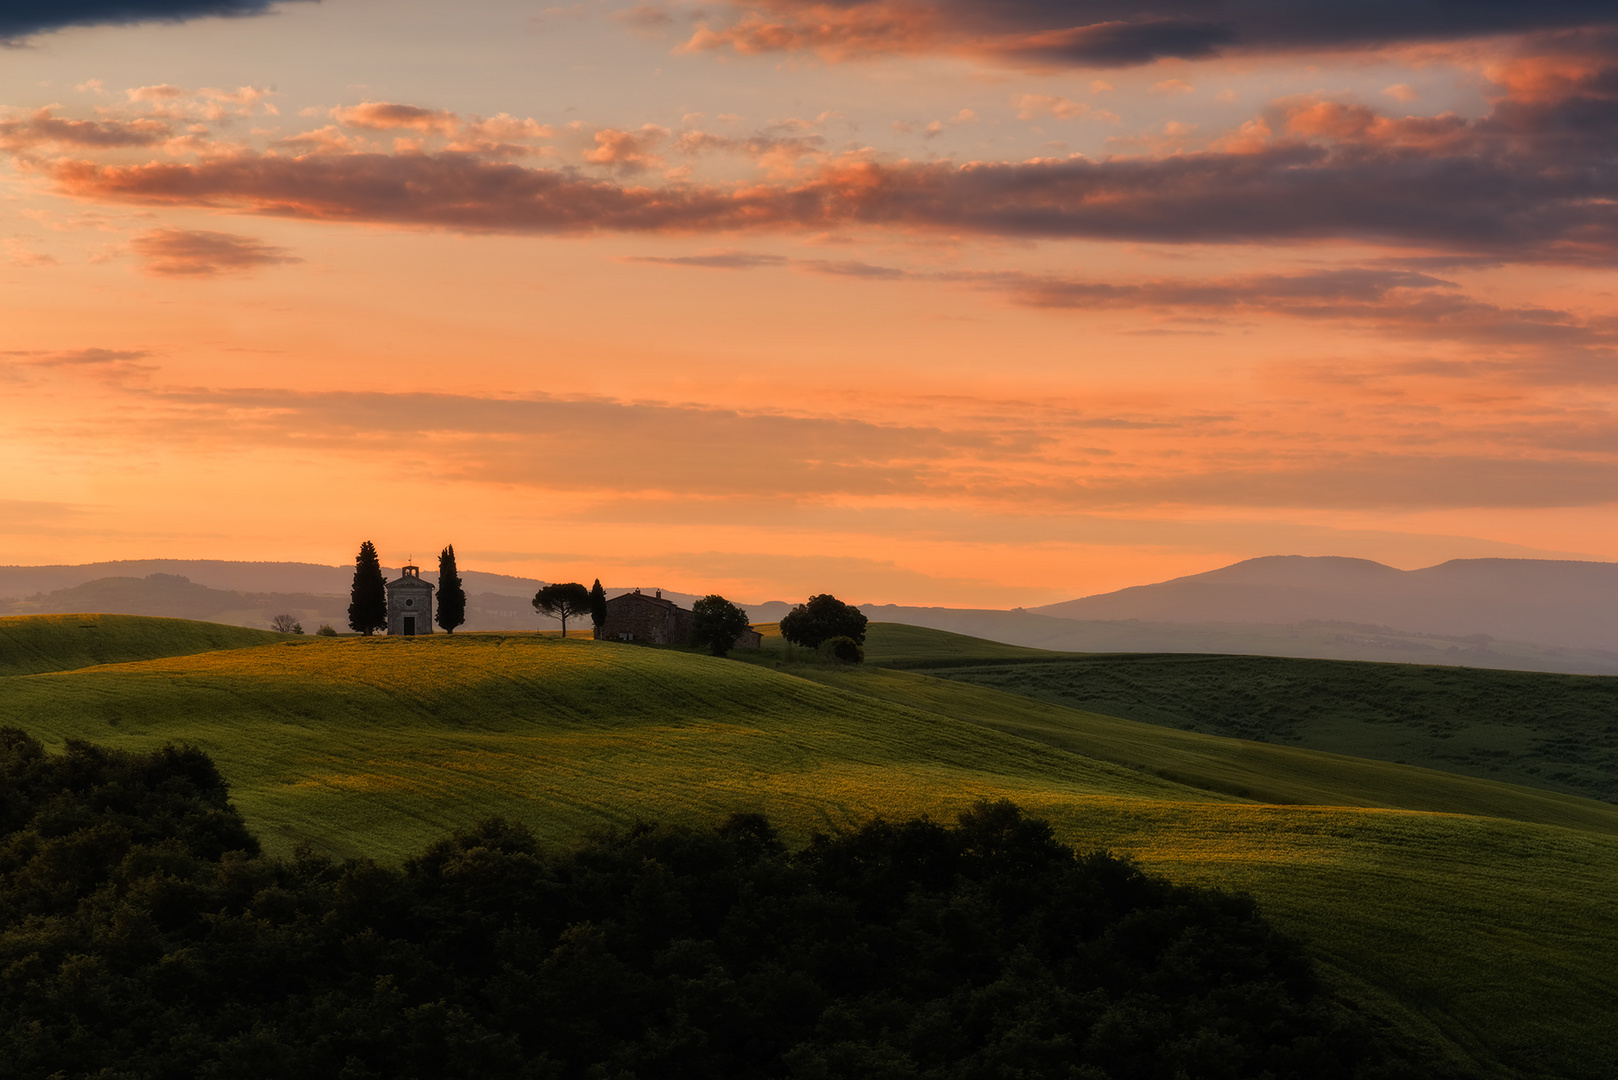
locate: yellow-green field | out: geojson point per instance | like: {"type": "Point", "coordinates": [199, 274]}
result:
{"type": "Point", "coordinates": [1487, 930]}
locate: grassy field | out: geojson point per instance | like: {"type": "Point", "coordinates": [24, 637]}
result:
{"type": "Point", "coordinates": [1550, 731]}
{"type": "Point", "coordinates": [1558, 732]}
{"type": "Point", "coordinates": [34, 643]}
{"type": "Point", "coordinates": [1486, 930]}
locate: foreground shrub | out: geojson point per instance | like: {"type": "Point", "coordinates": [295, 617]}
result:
{"type": "Point", "coordinates": [843, 649]}
{"type": "Point", "coordinates": [143, 936]}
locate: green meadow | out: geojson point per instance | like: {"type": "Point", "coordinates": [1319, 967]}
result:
{"type": "Point", "coordinates": [1552, 731]}
{"type": "Point", "coordinates": [1476, 916]}
{"type": "Point", "coordinates": [30, 644]}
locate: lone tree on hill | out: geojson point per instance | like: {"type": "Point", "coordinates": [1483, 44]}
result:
{"type": "Point", "coordinates": [823, 617]}
{"type": "Point", "coordinates": [716, 623]}
{"type": "Point", "coordinates": [563, 601]}
{"type": "Point", "coordinates": [368, 599]}
{"type": "Point", "coordinates": [451, 597]}
{"type": "Point", "coordinates": [286, 624]}
{"type": "Point", "coordinates": [598, 607]}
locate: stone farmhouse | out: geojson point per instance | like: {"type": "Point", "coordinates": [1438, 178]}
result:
{"type": "Point", "coordinates": [410, 604]}
{"type": "Point", "coordinates": [634, 616]}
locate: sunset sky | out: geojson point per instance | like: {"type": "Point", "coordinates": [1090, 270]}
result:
{"type": "Point", "coordinates": [974, 303]}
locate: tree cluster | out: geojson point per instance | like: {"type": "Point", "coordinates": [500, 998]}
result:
{"type": "Point", "coordinates": [142, 935]}
{"type": "Point", "coordinates": [717, 623]}
{"type": "Point", "coordinates": [821, 618]}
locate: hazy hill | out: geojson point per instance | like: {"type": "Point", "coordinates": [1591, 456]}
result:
{"type": "Point", "coordinates": [252, 593]}
{"type": "Point", "coordinates": [235, 576]}
{"type": "Point", "coordinates": [1567, 604]}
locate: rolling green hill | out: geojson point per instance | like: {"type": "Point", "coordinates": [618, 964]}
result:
{"type": "Point", "coordinates": [1485, 930]}
{"type": "Point", "coordinates": [1558, 732]}
{"type": "Point", "coordinates": [34, 643]}
{"type": "Point", "coordinates": [1538, 729]}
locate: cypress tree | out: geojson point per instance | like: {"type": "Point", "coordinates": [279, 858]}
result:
{"type": "Point", "coordinates": [451, 597]}
{"type": "Point", "coordinates": [368, 599]}
{"type": "Point", "coordinates": [598, 607]}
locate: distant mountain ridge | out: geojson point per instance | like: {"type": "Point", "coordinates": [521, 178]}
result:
{"type": "Point", "coordinates": [1527, 614]}
{"type": "Point", "coordinates": [236, 576]}
{"type": "Point", "coordinates": [1555, 603]}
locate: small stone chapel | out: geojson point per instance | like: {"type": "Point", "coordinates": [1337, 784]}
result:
{"type": "Point", "coordinates": [410, 604]}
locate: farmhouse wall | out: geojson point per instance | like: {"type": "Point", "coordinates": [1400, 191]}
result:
{"type": "Point", "coordinates": [637, 617]}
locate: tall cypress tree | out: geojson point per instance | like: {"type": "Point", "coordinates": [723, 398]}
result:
{"type": "Point", "coordinates": [368, 599]}
{"type": "Point", "coordinates": [451, 597]}
{"type": "Point", "coordinates": [598, 607]}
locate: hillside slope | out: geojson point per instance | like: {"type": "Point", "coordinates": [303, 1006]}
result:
{"type": "Point", "coordinates": [1551, 731]}
{"type": "Point", "coordinates": [40, 643]}
{"type": "Point", "coordinates": [1489, 938]}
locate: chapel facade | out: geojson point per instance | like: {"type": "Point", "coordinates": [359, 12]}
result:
{"type": "Point", "coordinates": [410, 604]}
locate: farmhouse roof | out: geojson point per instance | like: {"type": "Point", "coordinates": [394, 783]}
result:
{"type": "Point", "coordinates": [637, 595]}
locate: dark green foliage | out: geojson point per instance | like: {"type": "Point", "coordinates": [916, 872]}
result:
{"type": "Point", "coordinates": [368, 598]}
{"type": "Point", "coordinates": [716, 623]}
{"type": "Point", "coordinates": [843, 649]}
{"type": "Point", "coordinates": [598, 606]}
{"type": "Point", "coordinates": [143, 937]}
{"type": "Point", "coordinates": [451, 596]}
{"type": "Point", "coordinates": [822, 617]}
{"type": "Point", "coordinates": [326, 631]}
{"type": "Point", "coordinates": [564, 601]}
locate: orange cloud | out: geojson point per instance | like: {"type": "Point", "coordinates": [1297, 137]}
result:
{"type": "Point", "coordinates": [1288, 191]}
{"type": "Point", "coordinates": [1032, 106]}
{"type": "Point", "coordinates": [628, 151]}
{"type": "Point", "coordinates": [193, 253]}
{"type": "Point", "coordinates": [387, 116]}
{"type": "Point", "coordinates": [43, 128]}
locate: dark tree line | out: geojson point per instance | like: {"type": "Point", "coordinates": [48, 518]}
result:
{"type": "Point", "coordinates": [142, 935]}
